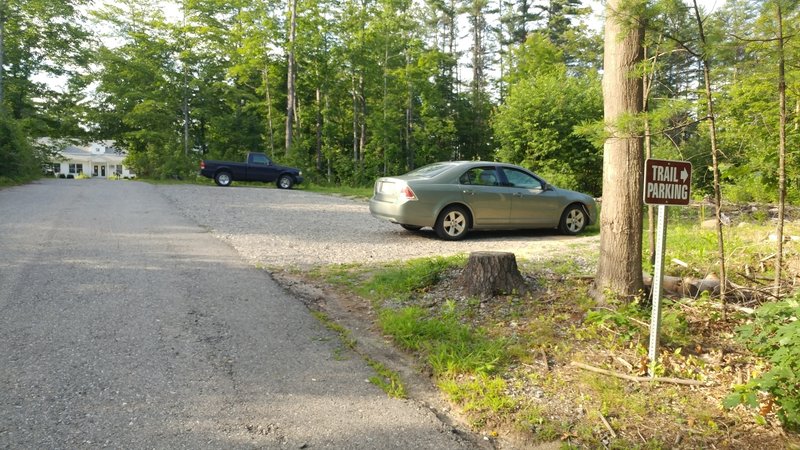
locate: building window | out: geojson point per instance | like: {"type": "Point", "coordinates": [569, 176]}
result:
{"type": "Point", "coordinates": [76, 168]}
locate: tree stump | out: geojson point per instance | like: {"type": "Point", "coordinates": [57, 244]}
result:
{"type": "Point", "coordinates": [489, 273]}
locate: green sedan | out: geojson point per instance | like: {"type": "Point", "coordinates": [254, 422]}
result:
{"type": "Point", "coordinates": [457, 196]}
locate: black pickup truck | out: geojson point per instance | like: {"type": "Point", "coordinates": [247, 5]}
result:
{"type": "Point", "coordinates": [258, 167]}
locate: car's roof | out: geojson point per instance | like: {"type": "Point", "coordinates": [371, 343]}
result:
{"type": "Point", "coordinates": [473, 163]}
{"type": "Point", "coordinates": [440, 169]}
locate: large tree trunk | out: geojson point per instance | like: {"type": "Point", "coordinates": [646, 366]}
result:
{"type": "Point", "coordinates": [620, 267]}
{"type": "Point", "coordinates": [291, 76]}
{"type": "Point", "coordinates": [489, 273]}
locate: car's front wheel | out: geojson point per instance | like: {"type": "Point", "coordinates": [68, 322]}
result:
{"type": "Point", "coordinates": [452, 224]}
{"type": "Point", "coordinates": [574, 220]}
{"type": "Point", "coordinates": [223, 178]}
{"type": "Point", "coordinates": [285, 182]}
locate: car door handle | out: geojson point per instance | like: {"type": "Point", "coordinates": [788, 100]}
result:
{"type": "Point", "coordinates": [518, 194]}
{"type": "Point", "coordinates": [468, 192]}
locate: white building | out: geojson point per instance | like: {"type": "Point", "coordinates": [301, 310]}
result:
{"type": "Point", "coordinates": [97, 159]}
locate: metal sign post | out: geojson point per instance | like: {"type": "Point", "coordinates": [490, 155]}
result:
{"type": "Point", "coordinates": [658, 278]}
{"type": "Point", "coordinates": [665, 183]}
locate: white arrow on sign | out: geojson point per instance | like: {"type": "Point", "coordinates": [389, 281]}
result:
{"type": "Point", "coordinates": [684, 175]}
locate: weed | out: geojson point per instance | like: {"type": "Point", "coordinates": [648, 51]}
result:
{"type": "Point", "coordinates": [386, 379]}
{"type": "Point", "coordinates": [623, 319]}
{"type": "Point", "coordinates": [345, 275]}
{"type": "Point", "coordinates": [344, 334]}
{"type": "Point", "coordinates": [674, 329]}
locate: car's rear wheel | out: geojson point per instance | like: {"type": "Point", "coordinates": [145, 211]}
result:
{"type": "Point", "coordinates": [452, 224]}
{"type": "Point", "coordinates": [410, 227]}
{"type": "Point", "coordinates": [574, 220]}
{"type": "Point", "coordinates": [285, 182]}
{"type": "Point", "coordinates": [223, 178]}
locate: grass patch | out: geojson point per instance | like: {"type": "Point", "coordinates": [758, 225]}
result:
{"type": "Point", "coordinates": [393, 281]}
{"type": "Point", "coordinates": [363, 193]}
{"type": "Point", "coordinates": [484, 397]}
{"type": "Point", "coordinates": [400, 281]}
{"type": "Point", "coordinates": [386, 379]}
{"type": "Point", "coordinates": [449, 346]}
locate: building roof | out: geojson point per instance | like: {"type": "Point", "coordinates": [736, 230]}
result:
{"type": "Point", "coordinates": [92, 152]}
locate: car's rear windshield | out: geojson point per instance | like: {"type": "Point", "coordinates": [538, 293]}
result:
{"type": "Point", "coordinates": [431, 170]}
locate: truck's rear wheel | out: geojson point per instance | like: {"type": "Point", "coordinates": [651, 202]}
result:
{"type": "Point", "coordinates": [223, 178]}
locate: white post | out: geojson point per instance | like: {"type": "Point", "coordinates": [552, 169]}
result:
{"type": "Point", "coordinates": [658, 277]}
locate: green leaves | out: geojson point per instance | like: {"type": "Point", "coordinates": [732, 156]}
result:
{"type": "Point", "coordinates": [775, 335]}
{"type": "Point", "coordinates": [537, 126]}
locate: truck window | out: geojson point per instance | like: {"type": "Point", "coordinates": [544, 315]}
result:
{"type": "Point", "coordinates": [259, 159]}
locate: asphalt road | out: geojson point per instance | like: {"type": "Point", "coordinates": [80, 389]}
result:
{"type": "Point", "coordinates": [124, 324]}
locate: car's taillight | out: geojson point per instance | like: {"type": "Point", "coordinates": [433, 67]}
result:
{"type": "Point", "coordinates": [407, 194]}
{"type": "Point", "coordinates": [202, 164]}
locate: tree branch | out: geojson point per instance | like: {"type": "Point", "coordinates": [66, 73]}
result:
{"type": "Point", "coordinates": [624, 376]}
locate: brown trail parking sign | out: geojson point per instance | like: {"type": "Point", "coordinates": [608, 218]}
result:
{"type": "Point", "coordinates": [667, 182]}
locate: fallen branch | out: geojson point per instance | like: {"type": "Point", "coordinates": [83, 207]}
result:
{"type": "Point", "coordinates": [625, 376]}
{"type": "Point", "coordinates": [680, 263]}
{"type": "Point", "coordinates": [741, 309]}
{"type": "Point", "coordinates": [689, 287]}
{"type": "Point", "coordinates": [627, 365]}
{"type": "Point", "coordinates": [608, 426]}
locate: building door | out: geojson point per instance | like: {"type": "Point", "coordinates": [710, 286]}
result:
{"type": "Point", "coordinates": [94, 172]}
{"type": "Point", "coordinates": [102, 171]}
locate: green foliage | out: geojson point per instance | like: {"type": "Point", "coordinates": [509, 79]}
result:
{"type": "Point", "coordinates": [483, 394]}
{"type": "Point", "coordinates": [17, 157]}
{"type": "Point", "coordinates": [404, 279]}
{"type": "Point", "coordinates": [537, 127]}
{"type": "Point", "coordinates": [41, 39]}
{"type": "Point", "coordinates": [775, 335]}
{"type": "Point", "coordinates": [621, 318]}
{"type": "Point", "coordinates": [450, 347]}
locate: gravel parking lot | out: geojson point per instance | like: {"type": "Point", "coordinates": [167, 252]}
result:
{"type": "Point", "coordinates": [296, 228]}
